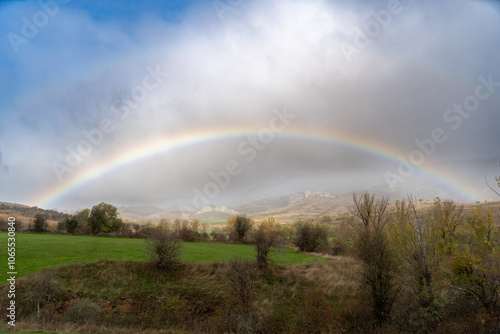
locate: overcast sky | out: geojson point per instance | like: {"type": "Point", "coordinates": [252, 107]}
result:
{"type": "Point", "coordinates": [412, 89]}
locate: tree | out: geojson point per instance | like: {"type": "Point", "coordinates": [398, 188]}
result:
{"type": "Point", "coordinates": [416, 242]}
{"type": "Point", "coordinates": [311, 238]}
{"type": "Point", "coordinates": [40, 224]}
{"type": "Point", "coordinates": [165, 249]}
{"type": "Point", "coordinates": [478, 279]}
{"type": "Point", "coordinates": [103, 218]}
{"type": "Point", "coordinates": [373, 249]}
{"type": "Point", "coordinates": [240, 226]}
{"type": "Point", "coordinates": [482, 223]}
{"type": "Point", "coordinates": [83, 218]}
{"type": "Point", "coordinates": [447, 217]}
{"type": "Point", "coordinates": [240, 275]}
{"type": "Point", "coordinates": [497, 179]}
{"type": "Point", "coordinates": [71, 224]}
{"type": "Point", "coordinates": [265, 238]}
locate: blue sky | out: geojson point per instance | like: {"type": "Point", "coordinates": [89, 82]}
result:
{"type": "Point", "coordinates": [363, 68]}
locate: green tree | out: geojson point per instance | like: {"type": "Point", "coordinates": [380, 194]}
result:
{"type": "Point", "coordinates": [416, 243]}
{"type": "Point", "coordinates": [83, 221]}
{"type": "Point", "coordinates": [482, 223]}
{"type": "Point", "coordinates": [239, 226]}
{"type": "Point", "coordinates": [40, 224]}
{"type": "Point", "coordinates": [478, 279]}
{"type": "Point", "coordinates": [71, 224]}
{"type": "Point", "coordinates": [266, 237]}
{"type": "Point", "coordinates": [103, 218]}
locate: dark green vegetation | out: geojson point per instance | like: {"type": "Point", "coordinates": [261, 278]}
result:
{"type": "Point", "coordinates": [195, 298]}
{"type": "Point", "coordinates": [35, 252]}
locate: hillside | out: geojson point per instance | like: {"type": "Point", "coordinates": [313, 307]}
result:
{"type": "Point", "coordinates": [25, 214]}
{"type": "Point", "coordinates": [41, 251]}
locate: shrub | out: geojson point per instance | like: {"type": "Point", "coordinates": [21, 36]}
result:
{"type": "Point", "coordinates": [187, 234]}
{"type": "Point", "coordinates": [40, 224]}
{"type": "Point", "coordinates": [311, 238]}
{"type": "Point", "coordinates": [165, 249]}
{"type": "Point", "coordinates": [240, 275]}
{"type": "Point", "coordinates": [218, 236]}
{"type": "Point", "coordinates": [83, 312]}
{"type": "Point", "coordinates": [476, 279]}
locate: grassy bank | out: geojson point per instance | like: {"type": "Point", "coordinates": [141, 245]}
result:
{"type": "Point", "coordinates": [35, 252]}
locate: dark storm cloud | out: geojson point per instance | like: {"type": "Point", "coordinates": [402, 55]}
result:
{"type": "Point", "coordinates": [392, 85]}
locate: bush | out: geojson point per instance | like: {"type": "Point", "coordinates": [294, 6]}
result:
{"type": "Point", "coordinates": [40, 224]}
{"type": "Point", "coordinates": [83, 312]}
{"type": "Point", "coordinates": [187, 234]}
{"type": "Point", "coordinates": [477, 280]}
{"type": "Point", "coordinates": [311, 238]}
{"type": "Point", "coordinates": [218, 236]}
{"type": "Point", "coordinates": [165, 249]}
{"type": "Point", "coordinates": [240, 275]}
{"type": "Point", "coordinates": [265, 238]}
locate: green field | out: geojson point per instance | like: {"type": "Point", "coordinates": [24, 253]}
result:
{"type": "Point", "coordinates": [37, 251]}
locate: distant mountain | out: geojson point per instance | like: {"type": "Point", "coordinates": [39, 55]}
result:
{"type": "Point", "coordinates": [137, 212]}
{"type": "Point", "coordinates": [297, 206]}
{"type": "Point", "coordinates": [286, 208]}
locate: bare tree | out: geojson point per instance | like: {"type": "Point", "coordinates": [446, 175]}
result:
{"type": "Point", "coordinates": [373, 249]}
{"type": "Point", "coordinates": [240, 275]}
{"type": "Point", "coordinates": [497, 178]}
{"type": "Point", "coordinates": [447, 217]}
{"type": "Point", "coordinates": [371, 214]}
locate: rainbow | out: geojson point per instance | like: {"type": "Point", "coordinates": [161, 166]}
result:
{"type": "Point", "coordinates": [356, 143]}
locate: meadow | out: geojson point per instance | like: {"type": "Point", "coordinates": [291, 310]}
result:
{"type": "Point", "coordinates": [35, 252]}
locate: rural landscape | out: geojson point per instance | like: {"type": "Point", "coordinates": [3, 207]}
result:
{"type": "Point", "coordinates": [377, 267]}
{"type": "Point", "coordinates": [248, 166]}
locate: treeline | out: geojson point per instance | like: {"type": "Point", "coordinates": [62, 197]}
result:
{"type": "Point", "coordinates": [427, 270]}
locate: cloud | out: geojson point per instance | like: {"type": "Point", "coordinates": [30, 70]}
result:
{"type": "Point", "coordinates": [80, 71]}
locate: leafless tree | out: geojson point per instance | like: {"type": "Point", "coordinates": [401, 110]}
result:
{"type": "Point", "coordinates": [373, 249]}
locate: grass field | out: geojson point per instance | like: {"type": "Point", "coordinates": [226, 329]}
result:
{"type": "Point", "coordinates": [37, 251]}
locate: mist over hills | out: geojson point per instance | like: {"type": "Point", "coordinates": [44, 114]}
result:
{"type": "Point", "coordinates": [285, 208]}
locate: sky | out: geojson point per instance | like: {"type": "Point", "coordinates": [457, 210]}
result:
{"type": "Point", "coordinates": [228, 101]}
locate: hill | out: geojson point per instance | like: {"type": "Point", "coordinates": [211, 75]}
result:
{"type": "Point", "coordinates": [25, 214]}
